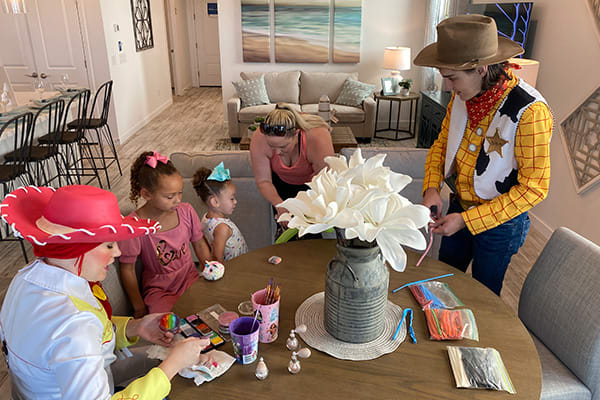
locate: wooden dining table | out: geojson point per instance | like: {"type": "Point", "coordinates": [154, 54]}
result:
{"type": "Point", "coordinates": [413, 371]}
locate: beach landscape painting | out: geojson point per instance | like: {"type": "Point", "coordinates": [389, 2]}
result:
{"type": "Point", "coordinates": [346, 31]}
{"type": "Point", "coordinates": [256, 31]}
{"type": "Point", "coordinates": [302, 31]}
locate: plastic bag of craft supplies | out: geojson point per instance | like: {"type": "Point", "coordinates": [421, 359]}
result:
{"type": "Point", "coordinates": [451, 324]}
{"type": "Point", "coordinates": [435, 294]}
{"type": "Point", "coordinates": [479, 368]}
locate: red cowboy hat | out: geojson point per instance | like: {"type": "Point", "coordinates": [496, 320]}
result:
{"type": "Point", "coordinates": [70, 214]}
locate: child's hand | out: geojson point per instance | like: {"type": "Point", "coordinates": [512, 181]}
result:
{"type": "Point", "coordinates": [139, 312]}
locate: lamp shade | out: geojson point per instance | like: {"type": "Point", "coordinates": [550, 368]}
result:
{"type": "Point", "coordinates": [13, 6]}
{"type": "Point", "coordinates": [529, 69]}
{"type": "Point", "coordinates": [396, 58]}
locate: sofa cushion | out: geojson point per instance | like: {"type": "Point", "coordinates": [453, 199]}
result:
{"type": "Point", "coordinates": [252, 92]}
{"type": "Point", "coordinates": [248, 114]}
{"type": "Point", "coordinates": [557, 381]}
{"type": "Point", "coordinates": [282, 87]}
{"type": "Point", "coordinates": [315, 84]}
{"type": "Point", "coordinates": [345, 114]}
{"type": "Point", "coordinates": [354, 92]}
{"type": "Point", "coordinates": [253, 214]}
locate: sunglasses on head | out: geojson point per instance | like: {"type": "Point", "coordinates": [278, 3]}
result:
{"type": "Point", "coordinates": [277, 130]}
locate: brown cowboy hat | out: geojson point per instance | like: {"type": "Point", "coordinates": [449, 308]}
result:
{"type": "Point", "coordinates": [465, 42]}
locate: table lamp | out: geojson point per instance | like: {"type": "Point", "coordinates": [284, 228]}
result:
{"type": "Point", "coordinates": [13, 6]}
{"type": "Point", "coordinates": [529, 69]}
{"type": "Point", "coordinates": [396, 59]}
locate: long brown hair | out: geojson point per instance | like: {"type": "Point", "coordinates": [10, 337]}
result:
{"type": "Point", "coordinates": [495, 72]}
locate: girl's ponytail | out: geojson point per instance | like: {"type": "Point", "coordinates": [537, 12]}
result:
{"type": "Point", "coordinates": [206, 188]}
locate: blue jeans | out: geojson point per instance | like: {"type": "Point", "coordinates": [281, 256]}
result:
{"type": "Point", "coordinates": [490, 251]}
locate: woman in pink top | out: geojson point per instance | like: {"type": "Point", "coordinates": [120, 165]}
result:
{"type": "Point", "coordinates": [168, 266]}
{"type": "Point", "coordinates": [287, 151]}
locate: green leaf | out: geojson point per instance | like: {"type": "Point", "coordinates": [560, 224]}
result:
{"type": "Point", "coordinates": [287, 235]}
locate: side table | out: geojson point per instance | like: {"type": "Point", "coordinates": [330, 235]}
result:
{"type": "Point", "coordinates": [413, 99]}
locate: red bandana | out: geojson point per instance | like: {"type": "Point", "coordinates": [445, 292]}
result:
{"type": "Point", "coordinates": [479, 106]}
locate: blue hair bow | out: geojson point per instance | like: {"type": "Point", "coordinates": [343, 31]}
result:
{"type": "Point", "coordinates": [219, 173]}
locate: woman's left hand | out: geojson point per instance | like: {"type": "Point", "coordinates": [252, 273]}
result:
{"type": "Point", "coordinates": [148, 328]}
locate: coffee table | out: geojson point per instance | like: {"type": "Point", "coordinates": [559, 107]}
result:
{"type": "Point", "coordinates": [342, 136]}
{"type": "Point", "coordinates": [413, 371]}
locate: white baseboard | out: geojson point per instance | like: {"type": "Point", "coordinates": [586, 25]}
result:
{"type": "Point", "coordinates": [540, 225]}
{"type": "Point", "coordinates": [129, 132]}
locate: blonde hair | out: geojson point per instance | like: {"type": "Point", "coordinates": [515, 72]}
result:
{"type": "Point", "coordinates": [286, 115]}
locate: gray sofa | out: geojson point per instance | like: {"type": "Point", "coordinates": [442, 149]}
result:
{"type": "Point", "coordinates": [253, 214]}
{"type": "Point", "coordinates": [302, 90]}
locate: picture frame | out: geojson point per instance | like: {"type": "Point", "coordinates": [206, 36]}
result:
{"type": "Point", "coordinates": [387, 86]}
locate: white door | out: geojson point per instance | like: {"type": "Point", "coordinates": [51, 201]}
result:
{"type": "Point", "coordinates": [207, 44]}
{"type": "Point", "coordinates": [47, 40]}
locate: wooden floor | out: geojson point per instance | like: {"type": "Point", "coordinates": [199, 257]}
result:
{"type": "Point", "coordinates": [194, 123]}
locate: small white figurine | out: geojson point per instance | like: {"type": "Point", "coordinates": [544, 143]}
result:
{"type": "Point", "coordinates": [292, 342]}
{"type": "Point", "coordinates": [261, 370]}
{"type": "Point", "coordinates": [213, 270]}
{"type": "Point", "coordinates": [294, 364]}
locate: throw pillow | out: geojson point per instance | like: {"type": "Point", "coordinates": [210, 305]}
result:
{"type": "Point", "coordinates": [354, 92]}
{"type": "Point", "coordinates": [252, 92]}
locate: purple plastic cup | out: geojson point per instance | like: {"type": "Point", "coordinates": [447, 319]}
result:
{"type": "Point", "coordinates": [244, 336]}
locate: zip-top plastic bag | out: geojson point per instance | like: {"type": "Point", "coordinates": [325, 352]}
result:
{"type": "Point", "coordinates": [479, 368]}
{"type": "Point", "coordinates": [435, 294]}
{"type": "Point", "coordinates": [451, 324]}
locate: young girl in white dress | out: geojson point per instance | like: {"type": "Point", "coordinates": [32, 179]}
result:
{"type": "Point", "coordinates": [217, 191]}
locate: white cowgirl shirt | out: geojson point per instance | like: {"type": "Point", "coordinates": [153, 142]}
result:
{"type": "Point", "coordinates": [60, 342]}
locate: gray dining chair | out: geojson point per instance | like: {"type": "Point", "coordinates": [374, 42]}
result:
{"type": "Point", "coordinates": [560, 305]}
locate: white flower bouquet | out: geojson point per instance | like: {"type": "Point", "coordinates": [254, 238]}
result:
{"type": "Point", "coordinates": [362, 198]}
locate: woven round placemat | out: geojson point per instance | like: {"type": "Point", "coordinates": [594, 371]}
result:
{"type": "Point", "coordinates": [310, 313]}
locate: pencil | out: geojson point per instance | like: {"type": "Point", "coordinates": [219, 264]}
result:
{"type": "Point", "coordinates": [275, 295]}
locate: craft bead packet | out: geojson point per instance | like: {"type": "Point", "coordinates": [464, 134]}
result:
{"type": "Point", "coordinates": [479, 368]}
{"type": "Point", "coordinates": [451, 324]}
{"type": "Point", "coordinates": [435, 294]}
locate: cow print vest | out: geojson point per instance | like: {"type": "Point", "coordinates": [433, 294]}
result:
{"type": "Point", "coordinates": [493, 175]}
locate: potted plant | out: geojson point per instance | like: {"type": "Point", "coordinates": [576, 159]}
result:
{"type": "Point", "coordinates": [405, 85]}
{"type": "Point", "coordinates": [252, 128]}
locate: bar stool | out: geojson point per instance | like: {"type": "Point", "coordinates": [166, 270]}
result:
{"type": "Point", "coordinates": [73, 143]}
{"type": "Point", "coordinates": [14, 170]}
{"type": "Point", "coordinates": [102, 129]}
{"type": "Point", "coordinates": [39, 155]}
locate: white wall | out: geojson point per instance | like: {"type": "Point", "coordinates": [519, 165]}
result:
{"type": "Point", "coordinates": [384, 23]}
{"type": "Point", "coordinates": [142, 86]}
{"type": "Point", "coordinates": [569, 58]}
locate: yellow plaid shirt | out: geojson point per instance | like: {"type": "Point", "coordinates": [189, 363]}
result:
{"type": "Point", "coordinates": [532, 152]}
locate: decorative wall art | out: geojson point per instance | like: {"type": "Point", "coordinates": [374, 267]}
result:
{"type": "Point", "coordinates": [594, 6]}
{"type": "Point", "coordinates": [142, 24]}
{"type": "Point", "coordinates": [302, 31]}
{"type": "Point", "coordinates": [256, 31]}
{"type": "Point", "coordinates": [581, 132]}
{"type": "Point", "coordinates": [513, 21]}
{"type": "Point", "coordinates": [346, 31]}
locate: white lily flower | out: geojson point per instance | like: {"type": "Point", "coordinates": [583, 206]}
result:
{"type": "Point", "coordinates": [360, 196]}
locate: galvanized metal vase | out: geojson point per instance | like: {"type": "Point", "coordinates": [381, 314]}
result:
{"type": "Point", "coordinates": [356, 288]}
